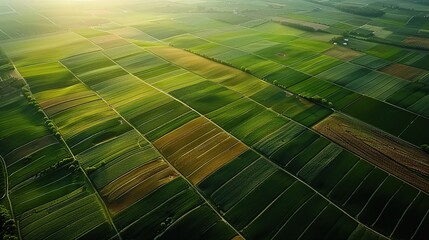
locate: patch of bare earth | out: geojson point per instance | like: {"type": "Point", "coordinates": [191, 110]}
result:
{"type": "Point", "coordinates": [342, 53]}
{"type": "Point", "coordinates": [387, 152]}
{"type": "Point", "coordinates": [403, 71]}
{"type": "Point", "coordinates": [417, 41]}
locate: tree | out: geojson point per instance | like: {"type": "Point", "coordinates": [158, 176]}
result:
{"type": "Point", "coordinates": [8, 228]}
{"type": "Point", "coordinates": [425, 147]}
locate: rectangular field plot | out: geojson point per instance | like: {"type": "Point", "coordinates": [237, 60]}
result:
{"type": "Point", "coordinates": [417, 132]}
{"type": "Point", "coordinates": [286, 77]}
{"type": "Point", "coordinates": [387, 52]}
{"type": "Point", "coordinates": [291, 106]}
{"type": "Point", "coordinates": [408, 163]}
{"type": "Point", "coordinates": [404, 71]}
{"type": "Point", "coordinates": [129, 188]}
{"type": "Point", "coordinates": [377, 114]}
{"type": "Point", "coordinates": [172, 206]}
{"type": "Point", "coordinates": [230, 77]}
{"type": "Point", "coordinates": [413, 96]}
{"type": "Point", "coordinates": [279, 29]}
{"type": "Point", "coordinates": [371, 62]}
{"type": "Point", "coordinates": [316, 65]}
{"type": "Point", "coordinates": [206, 96]}
{"type": "Point", "coordinates": [286, 54]}
{"type": "Point", "coordinates": [338, 96]}
{"type": "Point", "coordinates": [79, 216]}
{"type": "Point", "coordinates": [108, 41]}
{"type": "Point", "coordinates": [186, 41]}
{"type": "Point", "coordinates": [217, 120]}
{"type": "Point", "coordinates": [135, 152]}
{"type": "Point", "coordinates": [49, 48]}
{"type": "Point", "coordinates": [150, 111]}
{"type": "Point", "coordinates": [204, 149]}
{"type": "Point", "coordinates": [50, 199]}
{"type": "Point", "coordinates": [16, 25]}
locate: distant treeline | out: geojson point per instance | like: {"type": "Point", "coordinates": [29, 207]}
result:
{"type": "Point", "coordinates": [5, 64]}
{"type": "Point", "coordinates": [379, 40]}
{"type": "Point", "coordinates": [424, 2]}
{"type": "Point", "coordinates": [362, 11]}
{"type": "Point", "coordinates": [299, 26]}
{"type": "Point", "coordinates": [8, 229]}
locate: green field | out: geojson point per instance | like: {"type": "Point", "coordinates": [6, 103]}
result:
{"type": "Point", "coordinates": [288, 119]}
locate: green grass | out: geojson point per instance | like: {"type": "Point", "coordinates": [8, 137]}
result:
{"type": "Point", "coordinates": [411, 217]}
{"type": "Point", "coordinates": [377, 113]}
{"type": "Point", "coordinates": [221, 176]}
{"type": "Point", "coordinates": [150, 224]}
{"type": "Point", "coordinates": [271, 220]}
{"type": "Point", "coordinates": [346, 186]}
{"type": "Point", "coordinates": [256, 201]}
{"type": "Point", "coordinates": [335, 170]}
{"type": "Point", "coordinates": [209, 221]}
{"type": "Point", "coordinates": [286, 77]}
{"type": "Point", "coordinates": [20, 122]}
{"type": "Point", "coordinates": [229, 194]}
{"type": "Point", "coordinates": [279, 29]}
{"type": "Point", "coordinates": [417, 133]}
{"type": "Point", "coordinates": [47, 49]}
{"type": "Point", "coordinates": [363, 193]}
{"type": "Point", "coordinates": [206, 96]}
{"type": "Point", "coordinates": [371, 61]}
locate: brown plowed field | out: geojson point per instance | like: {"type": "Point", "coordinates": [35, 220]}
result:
{"type": "Point", "coordinates": [199, 148]}
{"type": "Point", "coordinates": [389, 153]}
{"type": "Point", "coordinates": [404, 71]}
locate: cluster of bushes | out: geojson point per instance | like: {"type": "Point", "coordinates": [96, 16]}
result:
{"type": "Point", "coordinates": [425, 147]}
{"type": "Point", "coordinates": [363, 11]}
{"type": "Point", "coordinates": [92, 169]}
{"type": "Point", "coordinates": [5, 63]}
{"type": "Point", "coordinates": [319, 100]}
{"type": "Point", "coordinates": [66, 161]}
{"type": "Point", "coordinates": [168, 221]}
{"type": "Point", "coordinates": [32, 101]}
{"type": "Point", "coordinates": [362, 33]}
{"type": "Point", "coordinates": [8, 230]}
{"type": "Point", "coordinates": [50, 124]}
{"type": "Point", "coordinates": [242, 68]}
{"type": "Point", "coordinates": [276, 83]}
{"type": "Point", "coordinates": [300, 26]}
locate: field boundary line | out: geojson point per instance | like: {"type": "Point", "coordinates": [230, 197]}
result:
{"type": "Point", "coordinates": [372, 195]}
{"type": "Point", "coordinates": [266, 159]}
{"type": "Point", "coordinates": [269, 205]}
{"type": "Point", "coordinates": [287, 91]}
{"type": "Point", "coordinates": [384, 208]}
{"type": "Point", "coordinates": [287, 118]}
{"type": "Point", "coordinates": [358, 186]}
{"type": "Point", "coordinates": [292, 215]}
{"type": "Point", "coordinates": [88, 180]}
{"type": "Point", "coordinates": [403, 214]}
{"type": "Point", "coordinates": [6, 195]}
{"type": "Point", "coordinates": [420, 224]}
{"type": "Point", "coordinates": [314, 219]}
{"type": "Point", "coordinates": [180, 174]}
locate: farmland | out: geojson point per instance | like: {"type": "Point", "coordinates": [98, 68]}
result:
{"type": "Point", "coordinates": [287, 119]}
